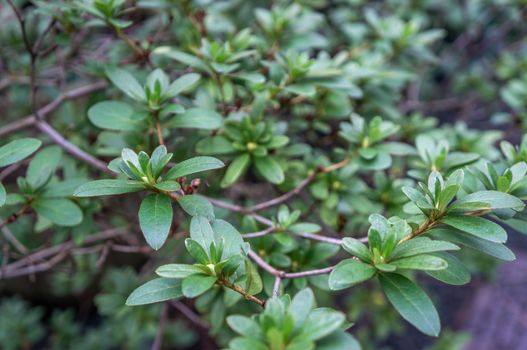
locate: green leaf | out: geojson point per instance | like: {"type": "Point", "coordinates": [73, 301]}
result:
{"type": "Point", "coordinates": [17, 150]}
{"type": "Point", "coordinates": [201, 231]}
{"type": "Point", "coordinates": [108, 187]}
{"type": "Point", "coordinates": [177, 270]}
{"type": "Point", "coordinates": [493, 199]}
{"type": "Point", "coordinates": [62, 212]}
{"type": "Point", "coordinates": [154, 291]}
{"type": "Point", "coordinates": [244, 325]}
{"type": "Point", "coordinates": [496, 250]}
{"type": "Point", "coordinates": [253, 282]}
{"type": "Point", "coordinates": [3, 195]}
{"type": "Point", "coordinates": [356, 248]}
{"type": "Point", "coordinates": [455, 273]}
{"type": "Point", "coordinates": [350, 272]}
{"type": "Point", "coordinates": [420, 262]}
{"type": "Point", "coordinates": [182, 84]}
{"type": "Point", "coordinates": [321, 322]}
{"type": "Point", "coordinates": [236, 169]}
{"type": "Point", "coordinates": [301, 306]}
{"type": "Point", "coordinates": [114, 115]}
{"type": "Point", "coordinates": [479, 227]}
{"type": "Point", "coordinates": [194, 165]}
{"type": "Point", "coordinates": [43, 166]}
{"type": "Point", "coordinates": [246, 343]}
{"type": "Point", "coordinates": [155, 219]}
{"type": "Point", "coordinates": [126, 83]}
{"type": "Point", "coordinates": [234, 243]}
{"type": "Point", "coordinates": [269, 169]}
{"type": "Point", "coordinates": [196, 285]}
{"type": "Point", "coordinates": [196, 251]}
{"type": "Point", "coordinates": [197, 118]}
{"type": "Point", "coordinates": [411, 302]}
{"type": "Point", "coordinates": [215, 145]}
{"type": "Point", "coordinates": [169, 186]}
{"type": "Point", "coordinates": [420, 245]}
{"type": "Point", "coordinates": [195, 205]}
{"type": "Point", "coordinates": [338, 341]}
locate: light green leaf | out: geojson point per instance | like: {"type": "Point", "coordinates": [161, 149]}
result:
{"type": "Point", "coordinates": [234, 243]}
{"type": "Point", "coordinates": [244, 325]}
{"type": "Point", "coordinates": [17, 150]}
{"type": "Point", "coordinates": [253, 281]}
{"type": "Point", "coordinates": [349, 272]}
{"type": "Point", "coordinates": [108, 187]}
{"type": "Point", "coordinates": [182, 84]}
{"type": "Point", "coordinates": [246, 343]}
{"type": "Point", "coordinates": [411, 302]}
{"type": "Point", "coordinates": [3, 195]}
{"type": "Point", "coordinates": [195, 205]}
{"type": "Point", "coordinates": [154, 291]}
{"type": "Point", "coordinates": [420, 245]}
{"type": "Point", "coordinates": [321, 322]}
{"type": "Point", "coordinates": [339, 341]}
{"type": "Point", "coordinates": [269, 168]}
{"type": "Point", "coordinates": [356, 248]}
{"type": "Point", "coordinates": [197, 118]}
{"type": "Point", "coordinates": [479, 227]}
{"type": "Point", "coordinates": [62, 212]}
{"type": "Point", "coordinates": [126, 83]}
{"type": "Point", "coordinates": [194, 165]}
{"type": "Point", "coordinates": [236, 169]}
{"type": "Point", "coordinates": [301, 306]}
{"type": "Point", "coordinates": [114, 115]}
{"type": "Point", "coordinates": [196, 251]}
{"type": "Point", "coordinates": [201, 231]}
{"type": "Point", "coordinates": [177, 270]}
{"type": "Point", "coordinates": [196, 285]}
{"type": "Point", "coordinates": [420, 262]}
{"type": "Point", "coordinates": [43, 166]}
{"type": "Point", "coordinates": [215, 145]}
{"type": "Point", "coordinates": [155, 219]}
{"type": "Point", "coordinates": [493, 199]}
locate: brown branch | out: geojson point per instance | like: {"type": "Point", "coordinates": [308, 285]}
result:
{"type": "Point", "coordinates": [225, 282]}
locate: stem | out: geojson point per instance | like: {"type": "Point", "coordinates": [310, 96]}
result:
{"type": "Point", "coordinates": [159, 133]}
{"type": "Point", "coordinates": [225, 282]}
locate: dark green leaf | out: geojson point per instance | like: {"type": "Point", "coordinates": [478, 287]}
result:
{"type": "Point", "coordinates": [479, 227]}
{"type": "Point", "coordinates": [43, 166]}
{"type": "Point", "coordinates": [455, 273]}
{"type": "Point", "coordinates": [321, 322]}
{"type": "Point", "coordinates": [155, 219]}
{"type": "Point", "coordinates": [420, 245]}
{"type": "Point", "coordinates": [126, 83]}
{"type": "Point", "coordinates": [236, 169]}
{"type": "Point", "coordinates": [411, 302]}
{"type": "Point", "coordinates": [269, 169]}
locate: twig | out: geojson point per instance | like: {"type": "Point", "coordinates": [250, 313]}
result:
{"type": "Point", "coordinates": [265, 232]}
{"type": "Point", "coordinates": [308, 273]}
{"type": "Point", "coordinates": [52, 106]}
{"type": "Point", "coordinates": [189, 314]}
{"type": "Point", "coordinates": [276, 287]}
{"type": "Point", "coordinates": [158, 340]}
{"type": "Point", "coordinates": [70, 147]}
{"type": "Point", "coordinates": [225, 282]}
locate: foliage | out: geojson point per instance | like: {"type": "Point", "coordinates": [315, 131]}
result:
{"type": "Point", "coordinates": [254, 174]}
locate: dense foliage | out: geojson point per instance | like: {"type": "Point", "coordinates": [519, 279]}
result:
{"type": "Point", "coordinates": [253, 174]}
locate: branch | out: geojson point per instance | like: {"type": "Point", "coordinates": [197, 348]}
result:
{"type": "Point", "coordinates": [70, 147]}
{"type": "Point", "coordinates": [52, 106]}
